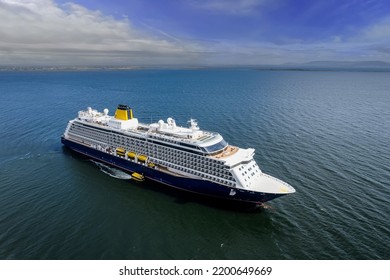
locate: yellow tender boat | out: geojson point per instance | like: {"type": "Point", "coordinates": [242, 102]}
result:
{"type": "Point", "coordinates": [138, 177]}
{"type": "Point", "coordinates": [142, 158]}
{"type": "Point", "coordinates": [131, 155]}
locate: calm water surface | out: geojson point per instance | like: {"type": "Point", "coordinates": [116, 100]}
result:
{"type": "Point", "coordinates": [325, 133]}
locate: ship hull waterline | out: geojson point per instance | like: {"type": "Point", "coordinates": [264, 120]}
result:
{"type": "Point", "coordinates": [198, 186]}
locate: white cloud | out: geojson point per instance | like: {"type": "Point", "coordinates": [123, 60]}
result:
{"type": "Point", "coordinates": [267, 53]}
{"type": "Point", "coordinates": [370, 43]}
{"type": "Point", "coordinates": [367, 44]}
{"type": "Point", "coordinates": [42, 32]}
{"type": "Point", "coordinates": [380, 31]}
{"type": "Point", "coordinates": [231, 7]}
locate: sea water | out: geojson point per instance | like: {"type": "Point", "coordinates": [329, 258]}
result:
{"type": "Point", "coordinates": [326, 133]}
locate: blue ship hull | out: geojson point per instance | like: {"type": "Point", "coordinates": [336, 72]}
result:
{"type": "Point", "coordinates": [198, 186]}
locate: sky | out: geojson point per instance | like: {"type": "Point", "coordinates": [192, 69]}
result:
{"type": "Point", "coordinates": [192, 32]}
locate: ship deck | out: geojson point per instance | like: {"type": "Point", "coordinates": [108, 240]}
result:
{"type": "Point", "coordinates": [230, 150]}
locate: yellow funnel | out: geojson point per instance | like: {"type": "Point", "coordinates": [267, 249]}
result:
{"type": "Point", "coordinates": [123, 112]}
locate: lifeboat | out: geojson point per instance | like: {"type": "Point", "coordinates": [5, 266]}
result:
{"type": "Point", "coordinates": [137, 177]}
{"type": "Point", "coordinates": [142, 158]}
{"type": "Point", "coordinates": [131, 155]}
{"type": "Point", "coordinates": [120, 152]}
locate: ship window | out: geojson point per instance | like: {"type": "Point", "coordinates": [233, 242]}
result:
{"type": "Point", "coordinates": [216, 147]}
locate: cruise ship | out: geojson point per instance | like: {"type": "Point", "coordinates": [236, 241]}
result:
{"type": "Point", "coordinates": [185, 158]}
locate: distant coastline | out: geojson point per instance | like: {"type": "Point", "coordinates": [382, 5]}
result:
{"type": "Point", "coordinates": [370, 66]}
{"type": "Point", "coordinates": [65, 68]}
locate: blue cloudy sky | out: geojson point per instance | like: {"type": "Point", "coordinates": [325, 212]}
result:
{"type": "Point", "coordinates": [192, 32]}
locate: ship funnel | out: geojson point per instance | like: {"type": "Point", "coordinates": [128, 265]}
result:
{"type": "Point", "coordinates": [123, 112]}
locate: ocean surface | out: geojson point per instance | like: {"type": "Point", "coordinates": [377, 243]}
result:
{"type": "Point", "coordinates": [325, 133]}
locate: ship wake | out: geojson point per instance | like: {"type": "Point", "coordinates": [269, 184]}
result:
{"type": "Point", "coordinates": [111, 171]}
